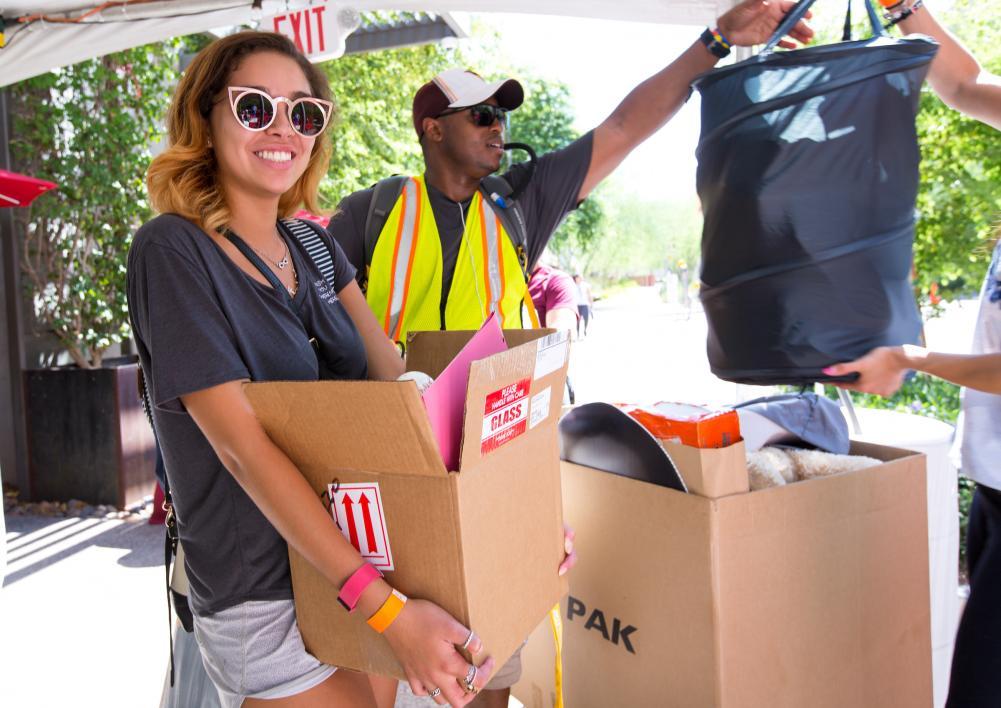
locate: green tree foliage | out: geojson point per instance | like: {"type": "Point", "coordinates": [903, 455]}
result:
{"type": "Point", "coordinates": [959, 202]}
{"type": "Point", "coordinates": [645, 236]}
{"type": "Point", "coordinates": [373, 135]}
{"type": "Point", "coordinates": [545, 121]}
{"type": "Point", "coordinates": [89, 128]}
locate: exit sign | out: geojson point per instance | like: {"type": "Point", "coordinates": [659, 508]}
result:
{"type": "Point", "coordinates": [317, 29]}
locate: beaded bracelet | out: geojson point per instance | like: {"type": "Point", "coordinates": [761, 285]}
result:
{"type": "Point", "coordinates": [715, 42]}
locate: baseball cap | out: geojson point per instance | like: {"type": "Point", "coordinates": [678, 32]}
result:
{"type": "Point", "coordinates": [459, 88]}
{"type": "Point", "coordinates": [809, 418]}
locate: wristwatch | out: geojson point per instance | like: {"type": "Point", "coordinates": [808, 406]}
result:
{"type": "Point", "coordinates": [715, 42]}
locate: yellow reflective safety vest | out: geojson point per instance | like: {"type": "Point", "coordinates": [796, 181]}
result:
{"type": "Point", "coordinates": [405, 273]}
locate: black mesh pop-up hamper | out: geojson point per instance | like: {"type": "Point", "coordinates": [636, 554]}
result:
{"type": "Point", "coordinates": [808, 173]}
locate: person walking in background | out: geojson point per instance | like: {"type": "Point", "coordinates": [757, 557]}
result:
{"type": "Point", "coordinates": [585, 303]}
{"type": "Point", "coordinates": [554, 295]}
{"type": "Point", "coordinates": [963, 84]}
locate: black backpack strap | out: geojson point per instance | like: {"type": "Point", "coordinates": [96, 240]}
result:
{"type": "Point", "coordinates": [170, 524]}
{"type": "Point", "coordinates": [502, 197]}
{"type": "Point", "coordinates": [315, 242]}
{"type": "Point", "coordinates": [497, 193]}
{"type": "Point", "coordinates": [384, 195]}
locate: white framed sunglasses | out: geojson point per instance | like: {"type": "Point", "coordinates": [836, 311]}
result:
{"type": "Point", "coordinates": [255, 110]}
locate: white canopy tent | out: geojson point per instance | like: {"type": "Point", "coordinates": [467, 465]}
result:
{"type": "Point", "coordinates": [39, 37]}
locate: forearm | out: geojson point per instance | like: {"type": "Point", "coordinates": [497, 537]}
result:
{"type": "Point", "coordinates": [955, 74]}
{"type": "Point", "coordinates": [652, 103]}
{"type": "Point", "coordinates": [273, 482]}
{"type": "Point", "coordinates": [646, 109]}
{"type": "Point", "coordinates": [285, 497]}
{"type": "Point", "coordinates": [562, 318]}
{"type": "Point", "coordinates": [384, 360]}
{"type": "Point", "coordinates": [979, 371]}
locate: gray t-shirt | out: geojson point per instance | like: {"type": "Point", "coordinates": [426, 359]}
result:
{"type": "Point", "coordinates": [547, 199]}
{"type": "Point", "coordinates": [199, 320]}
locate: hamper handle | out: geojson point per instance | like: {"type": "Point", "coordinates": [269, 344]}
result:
{"type": "Point", "coordinates": [798, 12]}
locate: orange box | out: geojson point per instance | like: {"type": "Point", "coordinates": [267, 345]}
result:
{"type": "Point", "coordinates": [690, 425]}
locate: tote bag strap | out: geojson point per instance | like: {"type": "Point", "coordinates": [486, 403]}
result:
{"type": "Point", "coordinates": [799, 11]}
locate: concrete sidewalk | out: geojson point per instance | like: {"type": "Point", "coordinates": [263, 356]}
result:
{"type": "Point", "coordinates": [83, 614]}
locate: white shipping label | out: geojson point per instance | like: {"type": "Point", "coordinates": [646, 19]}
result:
{"type": "Point", "coordinates": [540, 406]}
{"type": "Point", "coordinates": [358, 512]}
{"type": "Point", "coordinates": [552, 353]}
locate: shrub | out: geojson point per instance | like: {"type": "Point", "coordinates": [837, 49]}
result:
{"type": "Point", "coordinates": [90, 128]}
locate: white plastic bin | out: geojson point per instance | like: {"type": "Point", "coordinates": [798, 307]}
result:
{"type": "Point", "coordinates": [934, 438]}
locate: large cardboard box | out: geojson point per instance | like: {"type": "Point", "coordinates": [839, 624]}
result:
{"type": "Point", "coordinates": [812, 595]}
{"type": "Point", "coordinates": [483, 541]}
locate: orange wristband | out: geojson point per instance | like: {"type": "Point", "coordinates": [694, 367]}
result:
{"type": "Point", "coordinates": [388, 613]}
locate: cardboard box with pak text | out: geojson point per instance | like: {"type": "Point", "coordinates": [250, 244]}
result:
{"type": "Point", "coordinates": [814, 594]}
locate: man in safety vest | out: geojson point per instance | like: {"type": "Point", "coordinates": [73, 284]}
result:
{"type": "Point", "coordinates": [445, 249]}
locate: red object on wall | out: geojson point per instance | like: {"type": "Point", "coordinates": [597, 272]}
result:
{"type": "Point", "coordinates": [17, 190]}
{"type": "Point", "coordinates": [159, 514]}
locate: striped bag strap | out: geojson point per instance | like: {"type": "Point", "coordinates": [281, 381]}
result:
{"type": "Point", "coordinates": [316, 246]}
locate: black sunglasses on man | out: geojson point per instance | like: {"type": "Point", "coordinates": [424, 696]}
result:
{"type": "Point", "coordinates": [484, 114]}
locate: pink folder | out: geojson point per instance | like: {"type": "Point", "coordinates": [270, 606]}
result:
{"type": "Point", "coordinates": [445, 399]}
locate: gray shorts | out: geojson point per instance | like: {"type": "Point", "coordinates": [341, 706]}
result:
{"type": "Point", "coordinates": [509, 674]}
{"type": "Point", "coordinates": [254, 650]}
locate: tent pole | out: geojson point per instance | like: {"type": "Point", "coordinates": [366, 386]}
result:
{"type": "Point", "coordinates": [13, 434]}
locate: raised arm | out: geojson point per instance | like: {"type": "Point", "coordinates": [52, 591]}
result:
{"type": "Point", "coordinates": [955, 74]}
{"type": "Point", "coordinates": [651, 104]}
{"type": "Point", "coordinates": [424, 636]}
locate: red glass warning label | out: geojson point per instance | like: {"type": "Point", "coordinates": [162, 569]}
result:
{"type": "Point", "coordinates": [505, 416]}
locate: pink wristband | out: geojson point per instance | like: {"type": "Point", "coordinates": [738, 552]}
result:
{"type": "Point", "coordinates": [355, 585]}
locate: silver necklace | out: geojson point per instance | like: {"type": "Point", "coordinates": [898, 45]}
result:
{"type": "Point", "coordinates": [283, 263]}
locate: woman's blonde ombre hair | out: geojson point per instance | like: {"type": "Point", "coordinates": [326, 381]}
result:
{"type": "Point", "coordinates": [182, 179]}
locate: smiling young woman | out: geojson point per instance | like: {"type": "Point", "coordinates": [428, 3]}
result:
{"type": "Point", "coordinates": [182, 179]}
{"type": "Point", "coordinates": [220, 293]}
